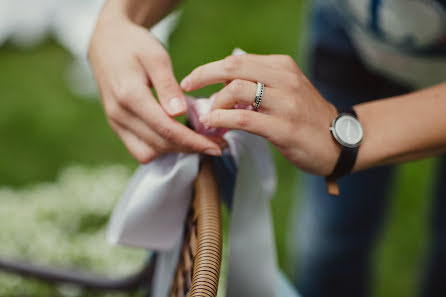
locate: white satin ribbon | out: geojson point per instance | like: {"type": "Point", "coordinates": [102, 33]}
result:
{"type": "Point", "coordinates": [152, 210]}
{"type": "Point", "coordinates": [252, 253]}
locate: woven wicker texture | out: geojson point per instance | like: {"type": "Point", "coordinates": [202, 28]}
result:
{"type": "Point", "coordinates": [198, 268]}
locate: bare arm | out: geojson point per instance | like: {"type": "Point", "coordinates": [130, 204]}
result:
{"type": "Point", "coordinates": [403, 128]}
{"type": "Point", "coordinates": [296, 118]}
{"type": "Point", "coordinates": [142, 12]}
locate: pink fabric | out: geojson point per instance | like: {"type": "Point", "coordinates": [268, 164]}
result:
{"type": "Point", "coordinates": [200, 106]}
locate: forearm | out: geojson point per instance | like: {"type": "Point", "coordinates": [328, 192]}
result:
{"type": "Point", "coordinates": [403, 128]}
{"type": "Point", "coordinates": [143, 12]}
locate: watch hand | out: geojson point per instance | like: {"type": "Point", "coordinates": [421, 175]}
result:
{"type": "Point", "coordinates": [348, 129]}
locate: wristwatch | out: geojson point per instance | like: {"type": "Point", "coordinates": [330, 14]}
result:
{"type": "Point", "coordinates": [348, 132]}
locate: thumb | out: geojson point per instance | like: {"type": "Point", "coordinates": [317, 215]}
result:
{"type": "Point", "coordinates": [171, 97]}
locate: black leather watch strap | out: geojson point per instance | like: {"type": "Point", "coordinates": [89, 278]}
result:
{"type": "Point", "coordinates": [348, 155]}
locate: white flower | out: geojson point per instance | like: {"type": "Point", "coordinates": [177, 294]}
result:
{"type": "Point", "coordinates": [63, 224]}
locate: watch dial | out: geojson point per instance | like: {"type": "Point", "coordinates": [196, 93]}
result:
{"type": "Point", "coordinates": [349, 130]}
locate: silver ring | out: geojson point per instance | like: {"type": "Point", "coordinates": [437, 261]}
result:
{"type": "Point", "coordinates": [259, 96]}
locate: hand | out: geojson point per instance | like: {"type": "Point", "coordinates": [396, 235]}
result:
{"type": "Point", "coordinates": [292, 115]}
{"type": "Point", "coordinates": [127, 60]}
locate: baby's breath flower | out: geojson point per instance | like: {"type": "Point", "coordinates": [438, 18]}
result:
{"type": "Point", "coordinates": [63, 224]}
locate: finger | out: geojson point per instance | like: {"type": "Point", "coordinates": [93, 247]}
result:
{"type": "Point", "coordinates": [244, 92]}
{"type": "Point", "coordinates": [239, 119]}
{"type": "Point", "coordinates": [246, 67]}
{"type": "Point", "coordinates": [159, 69]}
{"type": "Point", "coordinates": [168, 128]}
{"type": "Point", "coordinates": [139, 150]}
{"type": "Point", "coordinates": [220, 141]}
{"type": "Point", "coordinates": [136, 126]}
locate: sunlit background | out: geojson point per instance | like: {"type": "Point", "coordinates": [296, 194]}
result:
{"type": "Point", "coordinates": [62, 169]}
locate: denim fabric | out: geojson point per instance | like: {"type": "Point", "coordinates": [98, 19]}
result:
{"type": "Point", "coordinates": [226, 172]}
{"type": "Point", "coordinates": [336, 235]}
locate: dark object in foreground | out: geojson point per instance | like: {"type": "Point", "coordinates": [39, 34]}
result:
{"type": "Point", "coordinates": [85, 280]}
{"type": "Point", "coordinates": [198, 268]}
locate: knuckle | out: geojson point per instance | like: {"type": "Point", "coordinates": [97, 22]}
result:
{"type": "Point", "coordinates": [187, 143]}
{"type": "Point", "coordinates": [164, 146]}
{"type": "Point", "coordinates": [294, 105]}
{"type": "Point", "coordinates": [286, 59]}
{"type": "Point", "coordinates": [243, 119]}
{"type": "Point", "coordinates": [181, 144]}
{"type": "Point", "coordinates": [216, 118]}
{"type": "Point", "coordinates": [236, 87]}
{"type": "Point", "coordinates": [168, 84]}
{"type": "Point", "coordinates": [188, 146]}
{"type": "Point", "coordinates": [145, 156]}
{"type": "Point", "coordinates": [231, 63]}
{"type": "Point", "coordinates": [161, 62]}
{"type": "Point", "coordinates": [292, 81]}
{"type": "Point", "coordinates": [113, 111]}
{"type": "Point", "coordinates": [122, 94]}
{"type": "Point", "coordinates": [156, 57]}
{"type": "Point", "coordinates": [159, 58]}
{"type": "Point", "coordinates": [165, 131]}
{"type": "Point", "coordinates": [287, 129]}
{"type": "Point", "coordinates": [197, 73]}
{"type": "Point", "coordinates": [289, 63]}
{"type": "Point", "coordinates": [295, 69]}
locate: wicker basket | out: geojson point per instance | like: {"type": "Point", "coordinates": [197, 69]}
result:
{"type": "Point", "coordinates": [198, 269]}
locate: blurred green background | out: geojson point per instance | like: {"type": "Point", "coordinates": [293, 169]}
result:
{"type": "Point", "coordinates": [44, 128]}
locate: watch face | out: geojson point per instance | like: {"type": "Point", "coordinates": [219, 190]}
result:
{"type": "Point", "coordinates": [348, 131]}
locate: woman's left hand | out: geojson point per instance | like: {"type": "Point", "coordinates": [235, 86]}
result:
{"type": "Point", "coordinates": [292, 115]}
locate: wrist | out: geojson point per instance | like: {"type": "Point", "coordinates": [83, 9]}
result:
{"type": "Point", "coordinates": [142, 13]}
{"type": "Point", "coordinates": [333, 146]}
{"type": "Point", "coordinates": [107, 19]}
{"type": "Point", "coordinates": [347, 130]}
{"type": "Point", "coordinates": [377, 126]}
{"type": "Point", "coordinates": [112, 11]}
{"type": "Point", "coordinates": [115, 11]}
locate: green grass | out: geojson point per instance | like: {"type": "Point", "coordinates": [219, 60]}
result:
{"type": "Point", "coordinates": [44, 128]}
{"type": "Point", "coordinates": [402, 252]}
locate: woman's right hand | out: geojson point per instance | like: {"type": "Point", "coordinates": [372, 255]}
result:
{"type": "Point", "coordinates": [127, 60]}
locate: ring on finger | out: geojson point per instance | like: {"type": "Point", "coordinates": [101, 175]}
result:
{"type": "Point", "coordinates": [259, 96]}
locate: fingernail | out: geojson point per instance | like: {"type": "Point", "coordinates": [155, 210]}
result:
{"type": "Point", "coordinates": [185, 83]}
{"type": "Point", "coordinates": [176, 106]}
{"type": "Point", "coordinates": [205, 119]}
{"type": "Point", "coordinates": [213, 152]}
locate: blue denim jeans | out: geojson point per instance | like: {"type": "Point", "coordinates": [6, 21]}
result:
{"type": "Point", "coordinates": [336, 235]}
